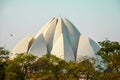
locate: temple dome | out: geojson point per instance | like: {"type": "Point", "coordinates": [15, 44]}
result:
{"type": "Point", "coordinates": [60, 38]}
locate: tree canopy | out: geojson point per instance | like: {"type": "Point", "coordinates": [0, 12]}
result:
{"type": "Point", "coordinates": [49, 67]}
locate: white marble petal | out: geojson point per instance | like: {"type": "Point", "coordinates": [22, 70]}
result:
{"type": "Point", "coordinates": [84, 48]}
{"type": "Point", "coordinates": [60, 38]}
{"type": "Point", "coordinates": [62, 49]}
{"type": "Point", "coordinates": [38, 47]}
{"type": "Point", "coordinates": [73, 35]}
{"type": "Point", "coordinates": [22, 46]}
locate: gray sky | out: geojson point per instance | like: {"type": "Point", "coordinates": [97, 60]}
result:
{"type": "Point", "coordinates": [97, 19]}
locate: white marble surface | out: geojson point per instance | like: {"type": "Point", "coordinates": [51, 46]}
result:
{"type": "Point", "coordinates": [60, 38]}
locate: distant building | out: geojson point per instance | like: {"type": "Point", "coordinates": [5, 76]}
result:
{"type": "Point", "coordinates": [58, 37]}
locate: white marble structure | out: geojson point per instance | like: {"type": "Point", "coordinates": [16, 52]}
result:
{"type": "Point", "coordinates": [60, 38]}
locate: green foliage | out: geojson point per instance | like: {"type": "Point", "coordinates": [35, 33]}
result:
{"type": "Point", "coordinates": [3, 53]}
{"type": "Point", "coordinates": [20, 66]}
{"type": "Point", "coordinates": [11, 76]}
{"type": "Point", "coordinates": [3, 58]}
{"type": "Point", "coordinates": [110, 53]}
{"type": "Point", "coordinates": [29, 67]}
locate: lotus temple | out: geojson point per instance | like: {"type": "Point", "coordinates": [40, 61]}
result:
{"type": "Point", "coordinates": [58, 37]}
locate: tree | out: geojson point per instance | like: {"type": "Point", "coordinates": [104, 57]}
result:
{"type": "Point", "coordinates": [20, 65]}
{"type": "Point", "coordinates": [110, 53]}
{"type": "Point", "coordinates": [3, 57]}
{"type": "Point", "coordinates": [3, 54]}
{"type": "Point", "coordinates": [87, 68]}
{"type": "Point", "coordinates": [50, 67]}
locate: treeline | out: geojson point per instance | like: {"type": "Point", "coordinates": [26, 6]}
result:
{"type": "Point", "coordinates": [29, 67]}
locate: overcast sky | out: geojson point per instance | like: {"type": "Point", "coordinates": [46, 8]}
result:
{"type": "Point", "coordinates": [97, 19]}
